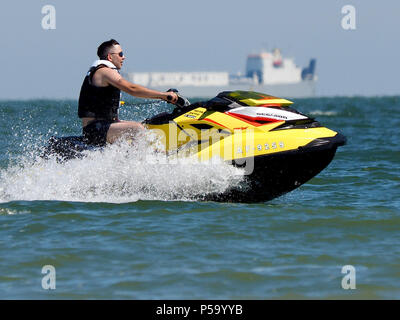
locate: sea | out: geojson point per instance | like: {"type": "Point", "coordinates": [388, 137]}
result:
{"type": "Point", "coordinates": [120, 223]}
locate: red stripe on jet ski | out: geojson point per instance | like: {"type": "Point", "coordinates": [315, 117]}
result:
{"type": "Point", "coordinates": [270, 105]}
{"type": "Point", "coordinates": [209, 120]}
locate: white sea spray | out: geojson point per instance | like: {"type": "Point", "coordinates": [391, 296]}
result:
{"type": "Point", "coordinates": [119, 173]}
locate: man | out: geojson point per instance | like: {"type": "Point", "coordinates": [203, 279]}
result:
{"type": "Point", "coordinates": [100, 94]}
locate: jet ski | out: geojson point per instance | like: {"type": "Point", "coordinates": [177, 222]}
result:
{"type": "Point", "coordinates": [278, 148]}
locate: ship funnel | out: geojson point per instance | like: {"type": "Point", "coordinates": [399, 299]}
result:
{"type": "Point", "coordinates": [308, 72]}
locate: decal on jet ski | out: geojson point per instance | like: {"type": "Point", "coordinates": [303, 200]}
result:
{"type": "Point", "coordinates": [264, 114]}
{"type": "Point", "coordinates": [240, 150]}
{"type": "Point", "coordinates": [194, 114]}
{"type": "Point", "coordinates": [268, 146]}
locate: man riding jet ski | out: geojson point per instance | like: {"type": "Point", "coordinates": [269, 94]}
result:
{"type": "Point", "coordinates": [278, 148]}
{"type": "Point", "coordinates": [99, 102]}
{"type": "Point", "coordinates": [100, 95]}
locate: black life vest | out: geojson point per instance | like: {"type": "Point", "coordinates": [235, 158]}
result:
{"type": "Point", "coordinates": [98, 102]}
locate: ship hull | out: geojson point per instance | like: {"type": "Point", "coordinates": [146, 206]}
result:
{"type": "Point", "coordinates": [303, 89]}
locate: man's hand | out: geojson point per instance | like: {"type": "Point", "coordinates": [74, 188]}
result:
{"type": "Point", "coordinates": [172, 97]}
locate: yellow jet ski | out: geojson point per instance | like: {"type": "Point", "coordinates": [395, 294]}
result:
{"type": "Point", "coordinates": [278, 147]}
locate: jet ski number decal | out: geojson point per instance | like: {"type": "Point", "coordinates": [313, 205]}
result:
{"type": "Point", "coordinates": [266, 146]}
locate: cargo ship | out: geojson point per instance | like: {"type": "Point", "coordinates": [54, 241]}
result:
{"type": "Point", "coordinates": [265, 72]}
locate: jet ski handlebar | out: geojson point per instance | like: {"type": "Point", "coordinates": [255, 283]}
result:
{"type": "Point", "coordinates": [182, 101]}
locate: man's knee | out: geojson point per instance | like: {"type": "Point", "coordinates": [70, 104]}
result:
{"type": "Point", "coordinates": [127, 128]}
{"type": "Point", "coordinates": [137, 125]}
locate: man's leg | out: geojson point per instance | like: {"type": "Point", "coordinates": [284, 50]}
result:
{"type": "Point", "coordinates": [119, 129]}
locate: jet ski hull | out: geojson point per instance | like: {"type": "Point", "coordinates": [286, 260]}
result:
{"type": "Point", "coordinates": [67, 148]}
{"type": "Point", "coordinates": [277, 174]}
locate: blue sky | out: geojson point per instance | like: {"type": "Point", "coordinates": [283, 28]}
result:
{"type": "Point", "coordinates": [207, 35]}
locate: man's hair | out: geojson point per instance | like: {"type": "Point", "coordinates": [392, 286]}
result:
{"type": "Point", "coordinates": [104, 48]}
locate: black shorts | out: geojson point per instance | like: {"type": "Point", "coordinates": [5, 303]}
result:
{"type": "Point", "coordinates": [96, 132]}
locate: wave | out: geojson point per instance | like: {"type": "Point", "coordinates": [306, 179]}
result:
{"type": "Point", "coordinates": [322, 113]}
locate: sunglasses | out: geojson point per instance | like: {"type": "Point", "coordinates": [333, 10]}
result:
{"type": "Point", "coordinates": [121, 54]}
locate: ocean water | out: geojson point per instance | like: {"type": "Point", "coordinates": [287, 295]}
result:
{"type": "Point", "coordinates": [123, 224]}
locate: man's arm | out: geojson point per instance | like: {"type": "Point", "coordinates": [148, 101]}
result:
{"type": "Point", "coordinates": [115, 79]}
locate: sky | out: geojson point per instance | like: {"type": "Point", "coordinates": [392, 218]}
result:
{"type": "Point", "coordinates": [206, 35]}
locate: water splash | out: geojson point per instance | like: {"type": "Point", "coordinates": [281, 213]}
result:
{"type": "Point", "coordinates": [118, 173]}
